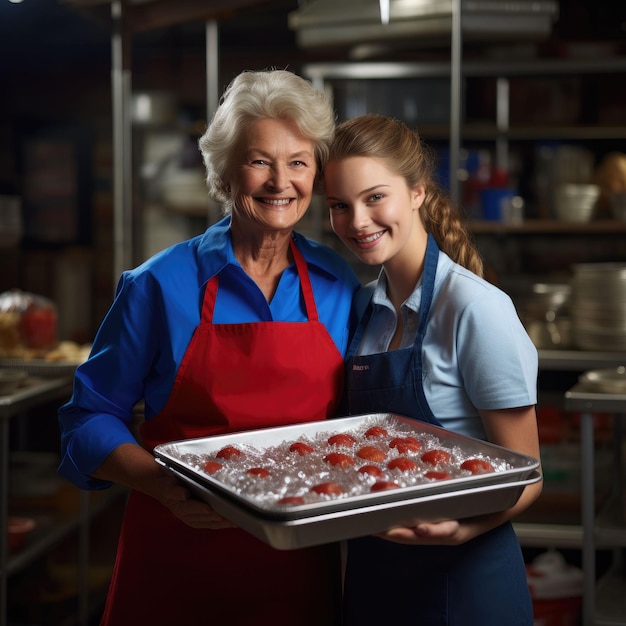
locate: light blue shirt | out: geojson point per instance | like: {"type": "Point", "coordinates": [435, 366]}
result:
{"type": "Point", "coordinates": [142, 340]}
{"type": "Point", "coordinates": [476, 352]}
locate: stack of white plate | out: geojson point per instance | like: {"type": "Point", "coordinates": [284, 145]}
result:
{"type": "Point", "coordinates": [598, 307]}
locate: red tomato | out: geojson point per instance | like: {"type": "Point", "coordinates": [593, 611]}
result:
{"type": "Point", "coordinates": [291, 500]}
{"type": "Point", "coordinates": [376, 431]}
{"type": "Point", "coordinates": [372, 470]}
{"type": "Point", "coordinates": [384, 485]}
{"type": "Point", "coordinates": [261, 472]}
{"type": "Point", "coordinates": [434, 457]}
{"type": "Point", "coordinates": [371, 453]}
{"type": "Point", "coordinates": [402, 463]}
{"type": "Point", "coordinates": [405, 444]}
{"type": "Point", "coordinates": [229, 452]}
{"type": "Point", "coordinates": [437, 475]}
{"type": "Point", "coordinates": [301, 448]}
{"type": "Point", "coordinates": [477, 466]}
{"type": "Point", "coordinates": [342, 439]}
{"type": "Point", "coordinates": [210, 467]}
{"type": "Point", "coordinates": [328, 489]}
{"type": "Point", "coordinates": [338, 459]}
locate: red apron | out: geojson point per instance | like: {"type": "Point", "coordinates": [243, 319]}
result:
{"type": "Point", "coordinates": [232, 377]}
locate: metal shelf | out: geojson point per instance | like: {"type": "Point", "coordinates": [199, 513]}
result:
{"type": "Point", "coordinates": [477, 69]}
{"type": "Point", "coordinates": [548, 227]}
{"type": "Point", "coordinates": [535, 535]}
{"type": "Point", "coordinates": [580, 361]}
{"type": "Point", "coordinates": [609, 532]}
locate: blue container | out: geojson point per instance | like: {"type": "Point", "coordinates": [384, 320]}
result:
{"type": "Point", "coordinates": [491, 201]}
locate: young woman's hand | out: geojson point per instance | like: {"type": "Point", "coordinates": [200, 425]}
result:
{"type": "Point", "coordinates": [448, 532]}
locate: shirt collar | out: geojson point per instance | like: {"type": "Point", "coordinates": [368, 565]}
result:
{"type": "Point", "coordinates": [380, 298]}
{"type": "Point", "coordinates": [215, 252]}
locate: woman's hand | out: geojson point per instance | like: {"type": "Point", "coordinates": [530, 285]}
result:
{"type": "Point", "coordinates": [132, 466]}
{"type": "Point", "coordinates": [195, 513]}
{"type": "Point", "coordinates": [447, 532]}
{"type": "Point", "coordinates": [511, 428]}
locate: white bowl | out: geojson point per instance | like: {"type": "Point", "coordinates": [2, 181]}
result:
{"type": "Point", "coordinates": [576, 202]}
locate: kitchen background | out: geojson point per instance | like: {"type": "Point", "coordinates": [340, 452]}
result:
{"type": "Point", "coordinates": [531, 111]}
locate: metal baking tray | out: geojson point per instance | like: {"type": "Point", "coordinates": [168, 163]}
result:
{"type": "Point", "coordinates": [338, 518]}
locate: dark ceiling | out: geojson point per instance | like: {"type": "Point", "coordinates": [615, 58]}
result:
{"type": "Point", "coordinates": [42, 32]}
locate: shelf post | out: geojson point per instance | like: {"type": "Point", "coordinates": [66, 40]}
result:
{"type": "Point", "coordinates": [4, 517]}
{"type": "Point", "coordinates": [122, 144]}
{"type": "Point", "coordinates": [456, 52]}
{"type": "Point", "coordinates": [588, 516]}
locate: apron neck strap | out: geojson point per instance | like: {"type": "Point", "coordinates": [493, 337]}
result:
{"type": "Point", "coordinates": [305, 282]}
{"type": "Point", "coordinates": [428, 282]}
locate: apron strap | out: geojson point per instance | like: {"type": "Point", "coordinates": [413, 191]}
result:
{"type": "Point", "coordinates": [208, 303]}
{"type": "Point", "coordinates": [305, 282]}
{"type": "Point", "coordinates": [428, 282]}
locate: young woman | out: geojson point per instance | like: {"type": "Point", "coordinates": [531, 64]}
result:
{"type": "Point", "coordinates": [439, 344]}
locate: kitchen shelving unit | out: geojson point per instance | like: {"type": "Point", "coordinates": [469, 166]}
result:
{"type": "Point", "coordinates": [504, 246]}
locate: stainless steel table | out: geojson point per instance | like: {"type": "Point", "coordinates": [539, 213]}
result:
{"type": "Point", "coordinates": [589, 403]}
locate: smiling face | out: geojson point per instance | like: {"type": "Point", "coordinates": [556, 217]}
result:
{"type": "Point", "coordinates": [373, 211]}
{"type": "Point", "coordinates": [273, 184]}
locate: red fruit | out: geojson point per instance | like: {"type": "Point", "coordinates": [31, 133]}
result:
{"type": "Point", "coordinates": [229, 452]}
{"type": "Point", "coordinates": [477, 466]}
{"type": "Point", "coordinates": [328, 489]}
{"type": "Point", "coordinates": [372, 470]}
{"type": "Point", "coordinates": [402, 463]}
{"type": "Point", "coordinates": [301, 448]}
{"type": "Point", "coordinates": [384, 485]}
{"type": "Point", "coordinates": [261, 472]}
{"type": "Point", "coordinates": [432, 474]}
{"type": "Point", "coordinates": [339, 459]}
{"type": "Point", "coordinates": [405, 445]}
{"type": "Point", "coordinates": [376, 431]}
{"type": "Point", "coordinates": [342, 439]}
{"type": "Point", "coordinates": [210, 467]}
{"type": "Point", "coordinates": [371, 453]}
{"type": "Point", "coordinates": [434, 457]}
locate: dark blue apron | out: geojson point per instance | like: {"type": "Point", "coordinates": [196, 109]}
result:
{"type": "Point", "coordinates": [479, 583]}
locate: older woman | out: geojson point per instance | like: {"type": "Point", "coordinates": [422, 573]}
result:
{"type": "Point", "coordinates": [192, 332]}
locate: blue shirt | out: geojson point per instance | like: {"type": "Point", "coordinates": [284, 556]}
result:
{"type": "Point", "coordinates": [476, 352]}
{"type": "Point", "coordinates": [141, 342]}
